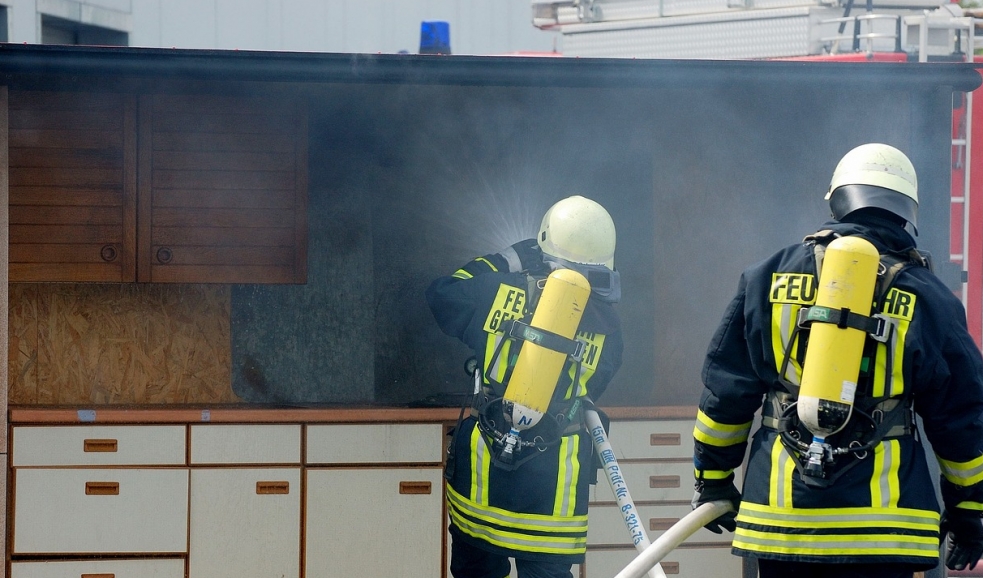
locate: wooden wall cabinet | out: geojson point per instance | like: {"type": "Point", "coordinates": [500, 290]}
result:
{"type": "Point", "coordinates": [122, 187]}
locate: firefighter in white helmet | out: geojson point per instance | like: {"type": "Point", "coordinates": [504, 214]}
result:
{"type": "Point", "coordinates": [855, 499]}
{"type": "Point", "coordinates": [525, 497]}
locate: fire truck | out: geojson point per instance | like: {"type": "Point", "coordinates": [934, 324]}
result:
{"type": "Point", "coordinates": [816, 30]}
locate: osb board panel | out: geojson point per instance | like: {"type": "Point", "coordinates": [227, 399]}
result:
{"type": "Point", "coordinates": [119, 343]}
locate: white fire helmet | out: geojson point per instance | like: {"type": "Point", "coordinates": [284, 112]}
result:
{"type": "Point", "coordinates": [578, 230]}
{"type": "Point", "coordinates": [878, 176]}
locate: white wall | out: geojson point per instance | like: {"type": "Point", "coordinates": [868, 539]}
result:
{"type": "Point", "coordinates": [367, 26]}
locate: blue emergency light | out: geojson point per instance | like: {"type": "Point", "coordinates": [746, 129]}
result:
{"type": "Point", "coordinates": [435, 38]}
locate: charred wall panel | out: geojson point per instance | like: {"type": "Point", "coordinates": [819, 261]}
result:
{"type": "Point", "coordinates": [408, 182]}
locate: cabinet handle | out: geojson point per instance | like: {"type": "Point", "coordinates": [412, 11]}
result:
{"type": "Point", "coordinates": [665, 439]}
{"type": "Point", "coordinates": [101, 488]}
{"type": "Point", "coordinates": [661, 524]}
{"type": "Point", "coordinates": [664, 481]}
{"type": "Point", "coordinates": [414, 488]}
{"type": "Point", "coordinates": [97, 576]}
{"type": "Point", "coordinates": [164, 255]}
{"type": "Point", "coordinates": [670, 567]}
{"type": "Point", "coordinates": [108, 253]}
{"type": "Point", "coordinates": [99, 445]}
{"type": "Point", "coordinates": [272, 487]}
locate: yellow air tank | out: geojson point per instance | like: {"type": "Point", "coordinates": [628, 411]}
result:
{"type": "Point", "coordinates": [834, 353]}
{"type": "Point", "coordinates": [537, 370]}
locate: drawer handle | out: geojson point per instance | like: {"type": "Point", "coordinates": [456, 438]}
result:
{"type": "Point", "coordinates": [98, 576]}
{"type": "Point", "coordinates": [101, 488]}
{"type": "Point", "coordinates": [272, 487]}
{"type": "Point", "coordinates": [670, 567]}
{"type": "Point", "coordinates": [663, 481]}
{"type": "Point", "coordinates": [661, 524]}
{"type": "Point", "coordinates": [100, 445]}
{"type": "Point", "coordinates": [414, 488]}
{"type": "Point", "coordinates": [665, 439]}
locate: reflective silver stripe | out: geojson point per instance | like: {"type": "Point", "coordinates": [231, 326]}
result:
{"type": "Point", "coordinates": [518, 541]}
{"type": "Point", "coordinates": [882, 544]}
{"type": "Point", "coordinates": [480, 465]}
{"type": "Point", "coordinates": [719, 434]}
{"type": "Point", "coordinates": [782, 466]}
{"type": "Point", "coordinates": [962, 473]}
{"type": "Point", "coordinates": [786, 332]}
{"type": "Point", "coordinates": [839, 517]}
{"type": "Point", "coordinates": [566, 494]}
{"type": "Point", "coordinates": [885, 488]}
{"type": "Point", "coordinates": [498, 365]}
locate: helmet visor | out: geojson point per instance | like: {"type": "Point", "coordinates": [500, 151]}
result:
{"type": "Point", "coordinates": [848, 198]}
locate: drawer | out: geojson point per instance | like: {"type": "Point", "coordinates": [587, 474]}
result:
{"type": "Point", "coordinates": [90, 511]}
{"type": "Point", "coordinates": [652, 439]}
{"type": "Point", "coordinates": [99, 445]}
{"type": "Point", "coordinates": [652, 481]}
{"type": "Point", "coordinates": [680, 563]}
{"type": "Point", "coordinates": [374, 443]}
{"type": "Point", "coordinates": [607, 526]}
{"type": "Point", "coordinates": [245, 444]}
{"type": "Point", "coordinates": [157, 568]}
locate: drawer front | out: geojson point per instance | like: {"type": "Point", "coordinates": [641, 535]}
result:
{"type": "Point", "coordinates": [245, 444]}
{"type": "Point", "coordinates": [680, 563]}
{"type": "Point", "coordinates": [652, 439]}
{"type": "Point", "coordinates": [99, 445]}
{"type": "Point", "coordinates": [69, 511]}
{"type": "Point", "coordinates": [158, 568]}
{"type": "Point", "coordinates": [374, 443]}
{"type": "Point", "coordinates": [607, 526]}
{"type": "Point", "coordinates": [653, 481]}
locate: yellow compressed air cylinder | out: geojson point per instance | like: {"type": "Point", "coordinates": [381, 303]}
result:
{"type": "Point", "coordinates": [537, 370]}
{"type": "Point", "coordinates": [834, 353]}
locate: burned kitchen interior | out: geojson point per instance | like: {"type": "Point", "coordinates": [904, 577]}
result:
{"type": "Point", "coordinates": [367, 176]}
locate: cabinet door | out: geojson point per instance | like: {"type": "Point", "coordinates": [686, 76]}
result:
{"type": "Point", "coordinates": [72, 161]}
{"type": "Point", "coordinates": [368, 522]}
{"type": "Point", "coordinates": [155, 568]}
{"type": "Point", "coordinates": [245, 522]}
{"type": "Point", "coordinates": [222, 189]}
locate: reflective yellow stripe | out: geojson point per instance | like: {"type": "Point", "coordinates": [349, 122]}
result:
{"type": "Point", "coordinates": [711, 474]}
{"type": "Point", "coordinates": [962, 473]}
{"type": "Point", "coordinates": [497, 366]}
{"type": "Point", "coordinates": [486, 262]}
{"type": "Point", "coordinates": [975, 506]}
{"type": "Point", "coordinates": [780, 485]}
{"type": "Point", "coordinates": [480, 467]}
{"type": "Point", "coordinates": [783, 319]}
{"type": "Point", "coordinates": [568, 471]}
{"type": "Point", "coordinates": [526, 532]}
{"type": "Point", "coordinates": [906, 518]}
{"type": "Point", "coordinates": [718, 434]}
{"type": "Point", "coordinates": [885, 489]}
{"type": "Point", "coordinates": [890, 381]}
{"type": "Point", "coordinates": [462, 274]}
{"type": "Point", "coordinates": [588, 364]}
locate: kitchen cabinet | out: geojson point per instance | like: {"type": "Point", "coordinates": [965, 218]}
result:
{"type": "Point", "coordinates": [374, 500]}
{"type": "Point", "coordinates": [245, 511]}
{"type": "Point", "coordinates": [174, 188]}
{"type": "Point", "coordinates": [655, 458]}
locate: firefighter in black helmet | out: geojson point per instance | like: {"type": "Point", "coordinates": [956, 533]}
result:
{"type": "Point", "coordinates": [859, 501]}
{"type": "Point", "coordinates": [531, 507]}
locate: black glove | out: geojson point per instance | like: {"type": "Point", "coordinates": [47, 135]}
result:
{"type": "Point", "coordinates": [530, 256]}
{"type": "Point", "coordinates": [965, 531]}
{"type": "Point", "coordinates": [713, 491]}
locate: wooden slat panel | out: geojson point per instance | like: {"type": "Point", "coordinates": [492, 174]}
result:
{"type": "Point", "coordinates": [71, 177]}
{"type": "Point", "coordinates": [215, 274]}
{"type": "Point", "coordinates": [241, 198]}
{"type": "Point", "coordinates": [65, 234]}
{"type": "Point", "coordinates": [79, 272]}
{"type": "Point", "coordinates": [33, 215]}
{"type": "Point", "coordinates": [79, 139]}
{"type": "Point", "coordinates": [57, 253]}
{"type": "Point", "coordinates": [195, 122]}
{"type": "Point", "coordinates": [47, 100]}
{"type": "Point", "coordinates": [223, 236]}
{"type": "Point", "coordinates": [215, 103]}
{"type": "Point", "coordinates": [39, 196]}
{"type": "Point", "coordinates": [174, 141]}
{"type": "Point", "coordinates": [76, 158]}
{"type": "Point", "coordinates": [207, 161]}
{"type": "Point", "coordinates": [223, 180]}
{"type": "Point", "coordinates": [61, 119]}
{"type": "Point", "coordinates": [198, 255]}
{"type": "Point", "coordinates": [256, 218]}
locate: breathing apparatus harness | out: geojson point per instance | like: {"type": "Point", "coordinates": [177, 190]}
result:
{"type": "Point", "coordinates": [880, 417]}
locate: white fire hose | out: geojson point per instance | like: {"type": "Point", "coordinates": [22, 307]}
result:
{"type": "Point", "coordinates": [674, 536]}
{"type": "Point", "coordinates": [650, 553]}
